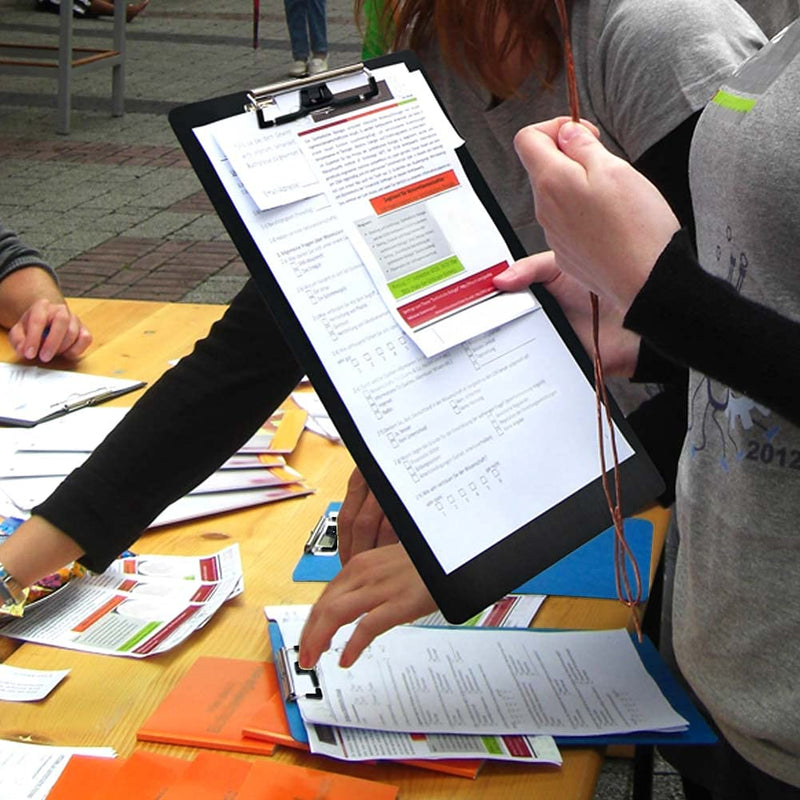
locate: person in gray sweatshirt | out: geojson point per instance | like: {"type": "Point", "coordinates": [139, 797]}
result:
{"type": "Point", "coordinates": [731, 313]}
{"type": "Point", "coordinates": [32, 308]}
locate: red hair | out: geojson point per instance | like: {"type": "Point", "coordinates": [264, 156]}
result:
{"type": "Point", "coordinates": [466, 32]}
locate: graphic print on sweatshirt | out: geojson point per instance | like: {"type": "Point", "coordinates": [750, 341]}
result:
{"type": "Point", "coordinates": [740, 427]}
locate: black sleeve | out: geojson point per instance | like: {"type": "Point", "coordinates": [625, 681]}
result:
{"type": "Point", "coordinates": [700, 321]}
{"type": "Point", "coordinates": [187, 424]}
{"type": "Point", "coordinates": [660, 421]}
{"type": "Point", "coordinates": [666, 164]}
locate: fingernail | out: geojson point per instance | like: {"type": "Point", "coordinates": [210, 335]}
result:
{"type": "Point", "coordinates": [570, 130]}
{"type": "Point", "coordinates": [508, 272]}
{"type": "Point", "coordinates": [30, 352]}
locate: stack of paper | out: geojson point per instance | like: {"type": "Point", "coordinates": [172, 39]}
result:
{"type": "Point", "coordinates": [568, 684]}
{"type": "Point", "coordinates": [140, 606]}
{"type": "Point", "coordinates": [35, 461]}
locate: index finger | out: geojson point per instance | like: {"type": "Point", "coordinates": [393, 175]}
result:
{"type": "Point", "coordinates": [357, 491]}
{"type": "Point", "coordinates": [34, 322]}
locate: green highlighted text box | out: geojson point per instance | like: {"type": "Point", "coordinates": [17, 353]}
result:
{"type": "Point", "coordinates": [423, 278]}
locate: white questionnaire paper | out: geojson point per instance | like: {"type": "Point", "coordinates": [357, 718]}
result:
{"type": "Point", "coordinates": [29, 393]}
{"type": "Point", "coordinates": [493, 681]}
{"type": "Point", "coordinates": [22, 685]}
{"type": "Point", "coordinates": [442, 246]}
{"type": "Point", "coordinates": [413, 217]}
{"type": "Point", "coordinates": [439, 427]}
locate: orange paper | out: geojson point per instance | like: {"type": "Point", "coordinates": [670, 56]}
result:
{"type": "Point", "coordinates": [210, 776]}
{"type": "Point", "coordinates": [87, 777]}
{"type": "Point", "coordinates": [145, 776]}
{"type": "Point", "coordinates": [272, 780]}
{"type": "Point", "coordinates": [210, 705]}
{"type": "Point", "coordinates": [279, 434]}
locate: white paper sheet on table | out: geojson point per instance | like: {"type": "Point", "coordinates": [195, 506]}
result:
{"type": "Point", "coordinates": [80, 432]}
{"type": "Point", "coordinates": [30, 394]}
{"type": "Point", "coordinates": [29, 771]}
{"type": "Point", "coordinates": [356, 744]}
{"type": "Point", "coordinates": [318, 420]}
{"type": "Point", "coordinates": [24, 685]}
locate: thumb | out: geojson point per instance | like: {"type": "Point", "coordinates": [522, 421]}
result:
{"type": "Point", "coordinates": [538, 268]}
{"type": "Point", "coordinates": [579, 143]}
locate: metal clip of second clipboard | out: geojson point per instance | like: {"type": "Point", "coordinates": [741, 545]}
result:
{"type": "Point", "coordinates": [289, 670]}
{"type": "Point", "coordinates": [324, 539]}
{"type": "Point", "coordinates": [314, 95]}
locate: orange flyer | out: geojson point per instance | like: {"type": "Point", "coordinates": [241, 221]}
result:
{"type": "Point", "coordinates": [279, 434]}
{"type": "Point", "coordinates": [273, 780]}
{"type": "Point", "coordinates": [144, 776]}
{"type": "Point", "coordinates": [210, 776]}
{"type": "Point", "coordinates": [86, 777]}
{"type": "Point", "coordinates": [210, 705]}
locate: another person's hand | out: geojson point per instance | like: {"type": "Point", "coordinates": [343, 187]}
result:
{"type": "Point", "coordinates": [606, 223]}
{"type": "Point", "coordinates": [361, 523]}
{"type": "Point", "coordinates": [619, 348]}
{"type": "Point", "coordinates": [47, 330]}
{"type": "Point", "coordinates": [381, 584]}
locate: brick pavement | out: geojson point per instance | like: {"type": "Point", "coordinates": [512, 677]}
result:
{"type": "Point", "coordinates": [115, 206]}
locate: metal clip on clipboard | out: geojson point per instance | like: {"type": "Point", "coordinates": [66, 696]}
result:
{"type": "Point", "coordinates": [314, 95]}
{"type": "Point", "coordinates": [324, 539]}
{"type": "Point", "coordinates": [289, 669]}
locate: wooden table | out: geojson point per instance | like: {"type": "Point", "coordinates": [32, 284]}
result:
{"type": "Point", "coordinates": [105, 699]}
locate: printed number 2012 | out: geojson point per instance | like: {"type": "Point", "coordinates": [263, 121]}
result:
{"type": "Point", "coordinates": [767, 454]}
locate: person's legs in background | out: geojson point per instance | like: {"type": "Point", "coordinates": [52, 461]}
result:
{"type": "Point", "coordinates": [297, 23]}
{"type": "Point", "coordinates": [318, 34]}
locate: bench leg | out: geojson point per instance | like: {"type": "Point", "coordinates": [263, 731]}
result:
{"type": "Point", "coordinates": [118, 70]}
{"type": "Point", "coordinates": [64, 67]}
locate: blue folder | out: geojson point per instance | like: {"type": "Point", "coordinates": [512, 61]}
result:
{"type": "Point", "coordinates": [296, 725]}
{"type": "Point", "coordinates": [589, 570]}
{"type": "Point", "coordinates": [318, 567]}
{"type": "Point", "coordinates": [585, 572]}
{"type": "Point", "coordinates": [698, 732]}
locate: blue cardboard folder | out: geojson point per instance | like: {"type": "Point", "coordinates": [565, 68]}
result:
{"type": "Point", "coordinates": [585, 572]}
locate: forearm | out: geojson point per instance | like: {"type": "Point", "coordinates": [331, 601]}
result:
{"type": "Point", "coordinates": [197, 415]}
{"type": "Point", "coordinates": [698, 320]}
{"type": "Point", "coordinates": [37, 549]}
{"type": "Point", "coordinates": [20, 289]}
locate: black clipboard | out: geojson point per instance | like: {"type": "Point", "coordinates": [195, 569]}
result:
{"type": "Point", "coordinates": [534, 546]}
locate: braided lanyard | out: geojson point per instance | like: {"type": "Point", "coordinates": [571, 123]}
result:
{"type": "Point", "coordinates": [630, 596]}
